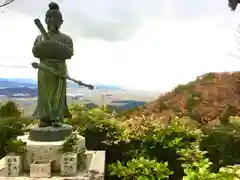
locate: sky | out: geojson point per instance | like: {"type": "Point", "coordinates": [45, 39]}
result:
{"type": "Point", "coordinates": [139, 44]}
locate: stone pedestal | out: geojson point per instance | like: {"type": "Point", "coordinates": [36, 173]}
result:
{"type": "Point", "coordinates": [47, 151]}
{"type": "Point", "coordinates": [94, 169]}
{"type": "Point", "coordinates": [50, 134]}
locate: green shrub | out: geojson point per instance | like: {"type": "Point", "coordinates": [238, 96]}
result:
{"type": "Point", "coordinates": [82, 116]}
{"type": "Point", "coordinates": [229, 173]}
{"type": "Point", "coordinates": [200, 168]}
{"type": "Point", "coordinates": [140, 169]}
{"type": "Point", "coordinates": [15, 147]}
{"type": "Point", "coordinates": [10, 128]}
{"type": "Point", "coordinates": [163, 143]}
{"type": "Point", "coordinates": [222, 148]}
{"type": "Point", "coordinates": [122, 144]}
{"type": "Point", "coordinates": [70, 143]}
{"type": "Point", "coordinates": [96, 124]}
{"type": "Point", "coordinates": [234, 121]}
{"type": "Point", "coordinates": [12, 124]}
{"type": "Point", "coordinates": [10, 109]}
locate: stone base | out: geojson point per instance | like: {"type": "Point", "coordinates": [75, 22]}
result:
{"type": "Point", "coordinates": [95, 169]}
{"type": "Point", "coordinates": [50, 134]}
{"type": "Point", "coordinates": [46, 151]}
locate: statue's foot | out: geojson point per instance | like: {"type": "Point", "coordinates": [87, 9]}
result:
{"type": "Point", "coordinates": [56, 124]}
{"type": "Point", "coordinates": [44, 124]}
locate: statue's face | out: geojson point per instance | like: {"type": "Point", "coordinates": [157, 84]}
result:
{"type": "Point", "coordinates": [53, 21]}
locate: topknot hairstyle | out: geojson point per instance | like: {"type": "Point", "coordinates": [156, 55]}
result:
{"type": "Point", "coordinates": [53, 9]}
{"type": "Point", "coordinates": [53, 6]}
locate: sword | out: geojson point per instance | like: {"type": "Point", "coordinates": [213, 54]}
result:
{"type": "Point", "coordinates": [41, 29]}
{"type": "Point", "coordinates": [45, 68]}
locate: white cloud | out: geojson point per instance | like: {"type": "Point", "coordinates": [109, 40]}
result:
{"type": "Point", "coordinates": [164, 51]}
{"type": "Point", "coordinates": [161, 55]}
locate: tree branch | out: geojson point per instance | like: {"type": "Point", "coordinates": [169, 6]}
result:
{"type": "Point", "coordinates": [7, 2]}
{"type": "Point", "coordinates": [232, 4]}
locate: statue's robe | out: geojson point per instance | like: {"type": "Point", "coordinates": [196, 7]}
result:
{"type": "Point", "coordinates": [52, 101]}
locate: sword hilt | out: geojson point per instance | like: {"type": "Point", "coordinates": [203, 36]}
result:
{"type": "Point", "coordinates": [41, 29]}
{"type": "Point", "coordinates": [35, 65]}
{"type": "Point", "coordinates": [89, 86]}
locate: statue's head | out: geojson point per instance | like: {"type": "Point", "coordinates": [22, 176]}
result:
{"type": "Point", "coordinates": [53, 17]}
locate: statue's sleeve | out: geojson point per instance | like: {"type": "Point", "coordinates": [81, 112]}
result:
{"type": "Point", "coordinates": [35, 50]}
{"type": "Point", "coordinates": [66, 43]}
{"type": "Point", "coordinates": [69, 43]}
{"type": "Point", "coordinates": [37, 40]}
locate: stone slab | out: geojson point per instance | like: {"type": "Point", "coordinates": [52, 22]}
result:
{"type": "Point", "coordinates": [46, 151]}
{"type": "Point", "coordinates": [69, 164]}
{"type": "Point", "coordinates": [97, 166]}
{"type": "Point", "coordinates": [50, 134]}
{"type": "Point", "coordinates": [13, 165]}
{"type": "Point", "coordinates": [39, 169]}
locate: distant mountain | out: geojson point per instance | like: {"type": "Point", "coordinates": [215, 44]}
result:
{"type": "Point", "coordinates": [18, 92]}
{"type": "Point", "coordinates": [97, 86]}
{"type": "Point", "coordinates": [23, 80]}
{"type": "Point", "coordinates": [124, 105]}
{"type": "Point", "coordinates": [13, 83]}
{"type": "Point", "coordinates": [120, 106]}
{"type": "Point", "coordinates": [31, 83]}
{"type": "Point", "coordinates": [108, 87]}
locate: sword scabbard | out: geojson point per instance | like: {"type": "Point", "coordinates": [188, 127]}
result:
{"type": "Point", "coordinates": [50, 70]}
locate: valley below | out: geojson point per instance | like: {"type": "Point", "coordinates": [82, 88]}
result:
{"type": "Point", "coordinates": [24, 93]}
{"type": "Point", "coordinates": [115, 99]}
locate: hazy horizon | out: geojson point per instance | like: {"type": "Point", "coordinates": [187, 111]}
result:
{"type": "Point", "coordinates": [102, 87]}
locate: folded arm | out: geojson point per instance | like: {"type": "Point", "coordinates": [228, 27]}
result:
{"type": "Point", "coordinates": [61, 50]}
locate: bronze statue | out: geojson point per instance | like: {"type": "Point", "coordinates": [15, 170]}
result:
{"type": "Point", "coordinates": [53, 48]}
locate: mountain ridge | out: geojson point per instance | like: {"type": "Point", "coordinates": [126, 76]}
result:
{"type": "Point", "coordinates": [210, 99]}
